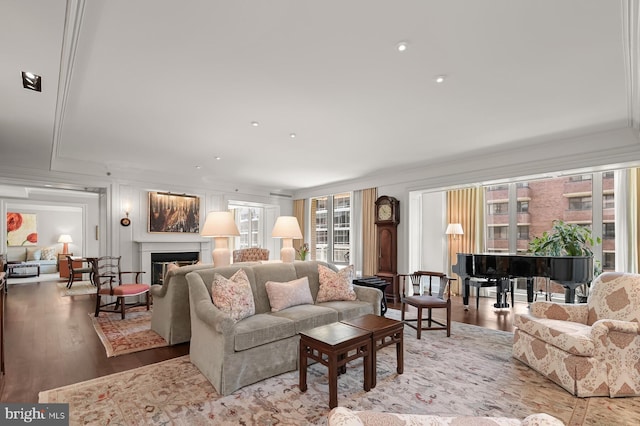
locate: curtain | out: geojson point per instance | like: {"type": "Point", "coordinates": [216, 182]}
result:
{"type": "Point", "coordinates": [369, 239]}
{"type": "Point", "coordinates": [298, 212]}
{"type": "Point", "coordinates": [313, 238]}
{"type": "Point", "coordinates": [355, 239]}
{"type": "Point", "coordinates": [466, 207]}
{"type": "Point", "coordinates": [627, 214]}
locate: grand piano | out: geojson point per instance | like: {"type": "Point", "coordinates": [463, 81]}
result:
{"type": "Point", "coordinates": [569, 271]}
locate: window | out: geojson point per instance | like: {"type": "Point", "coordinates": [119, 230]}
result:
{"type": "Point", "coordinates": [580, 203]}
{"type": "Point", "coordinates": [607, 201]}
{"type": "Point", "coordinates": [523, 206]}
{"type": "Point", "coordinates": [331, 240]}
{"type": "Point", "coordinates": [579, 178]}
{"type": "Point", "coordinates": [523, 232]}
{"type": "Point", "coordinates": [249, 222]}
{"type": "Point", "coordinates": [498, 208]}
{"type": "Point", "coordinates": [498, 232]}
{"type": "Point", "coordinates": [608, 230]}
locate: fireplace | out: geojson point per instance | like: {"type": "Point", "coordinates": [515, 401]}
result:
{"type": "Point", "coordinates": [160, 261]}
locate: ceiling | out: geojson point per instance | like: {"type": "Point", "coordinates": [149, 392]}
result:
{"type": "Point", "coordinates": [156, 90]}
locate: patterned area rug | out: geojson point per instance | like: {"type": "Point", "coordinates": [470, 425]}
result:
{"type": "Point", "coordinates": [77, 289]}
{"type": "Point", "coordinates": [124, 336]}
{"type": "Point", "coordinates": [470, 373]}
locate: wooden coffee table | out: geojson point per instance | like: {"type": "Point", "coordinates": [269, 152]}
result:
{"type": "Point", "coordinates": [331, 345]}
{"type": "Point", "coordinates": [384, 332]}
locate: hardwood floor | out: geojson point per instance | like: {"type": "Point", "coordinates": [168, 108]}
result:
{"type": "Point", "coordinates": [50, 340]}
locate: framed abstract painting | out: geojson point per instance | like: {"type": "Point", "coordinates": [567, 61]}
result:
{"type": "Point", "coordinates": [21, 229]}
{"type": "Point", "coordinates": [174, 213]}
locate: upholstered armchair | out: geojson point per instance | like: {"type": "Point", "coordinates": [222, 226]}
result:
{"type": "Point", "coordinates": [589, 349]}
{"type": "Point", "coordinates": [251, 254]}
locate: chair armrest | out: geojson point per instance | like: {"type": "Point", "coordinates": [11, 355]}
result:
{"type": "Point", "coordinates": [371, 295]}
{"type": "Point", "coordinates": [605, 326]}
{"type": "Point", "coordinates": [560, 311]}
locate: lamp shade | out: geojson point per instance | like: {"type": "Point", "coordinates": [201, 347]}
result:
{"type": "Point", "coordinates": [454, 229]}
{"type": "Point", "coordinates": [65, 238]}
{"type": "Point", "coordinates": [287, 227]}
{"type": "Point", "coordinates": [219, 224]}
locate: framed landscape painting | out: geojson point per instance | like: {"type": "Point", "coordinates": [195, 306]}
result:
{"type": "Point", "coordinates": [21, 229]}
{"type": "Point", "coordinates": [174, 213]}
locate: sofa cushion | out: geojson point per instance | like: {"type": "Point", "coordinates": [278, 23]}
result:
{"type": "Point", "coordinates": [34, 253]}
{"type": "Point", "coordinates": [308, 316]}
{"type": "Point", "coordinates": [291, 293]}
{"type": "Point", "coordinates": [348, 309]}
{"type": "Point", "coordinates": [49, 253]}
{"type": "Point", "coordinates": [571, 337]}
{"type": "Point", "coordinates": [615, 295]}
{"type": "Point", "coordinates": [233, 296]}
{"type": "Point", "coordinates": [16, 254]}
{"type": "Point", "coordinates": [261, 329]}
{"type": "Point", "coordinates": [336, 285]}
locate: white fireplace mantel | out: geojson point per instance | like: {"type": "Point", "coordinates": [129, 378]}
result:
{"type": "Point", "coordinates": [145, 248]}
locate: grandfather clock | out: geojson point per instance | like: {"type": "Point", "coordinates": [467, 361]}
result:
{"type": "Point", "coordinates": [387, 220]}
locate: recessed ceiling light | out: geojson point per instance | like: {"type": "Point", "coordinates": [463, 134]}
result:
{"type": "Point", "coordinates": [31, 81]}
{"type": "Point", "coordinates": [198, 167]}
{"type": "Point", "coordinates": [440, 79]}
{"type": "Point", "coordinates": [218, 158]}
{"type": "Point", "coordinates": [292, 135]}
{"type": "Point", "coordinates": [255, 123]}
{"type": "Point", "coordinates": [402, 46]}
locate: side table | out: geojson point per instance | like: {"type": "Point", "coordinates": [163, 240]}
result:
{"type": "Point", "coordinates": [378, 283]}
{"type": "Point", "coordinates": [330, 346]}
{"type": "Point", "coordinates": [384, 332]}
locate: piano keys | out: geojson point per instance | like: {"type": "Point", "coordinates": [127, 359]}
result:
{"type": "Point", "coordinates": [569, 271]}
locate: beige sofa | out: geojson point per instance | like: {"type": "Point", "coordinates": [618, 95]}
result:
{"type": "Point", "coordinates": [33, 255]}
{"type": "Point", "coordinates": [589, 349]}
{"type": "Point", "coordinates": [235, 354]}
{"type": "Point", "coordinates": [170, 317]}
{"type": "Point", "coordinates": [341, 416]}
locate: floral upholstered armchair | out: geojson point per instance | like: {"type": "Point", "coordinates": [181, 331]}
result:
{"type": "Point", "coordinates": [589, 349]}
{"type": "Point", "coordinates": [251, 254]}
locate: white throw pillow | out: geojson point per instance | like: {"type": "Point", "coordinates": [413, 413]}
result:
{"type": "Point", "coordinates": [291, 293]}
{"type": "Point", "coordinates": [34, 253]}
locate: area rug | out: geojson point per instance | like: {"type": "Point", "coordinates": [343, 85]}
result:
{"type": "Point", "coordinates": [470, 373]}
{"type": "Point", "coordinates": [78, 288]}
{"type": "Point", "coordinates": [124, 336]}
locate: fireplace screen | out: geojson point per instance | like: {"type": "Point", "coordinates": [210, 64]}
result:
{"type": "Point", "coordinates": [160, 262]}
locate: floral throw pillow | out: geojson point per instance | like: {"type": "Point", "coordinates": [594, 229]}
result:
{"type": "Point", "coordinates": [292, 293]}
{"type": "Point", "coordinates": [233, 296]}
{"type": "Point", "coordinates": [336, 285]}
{"type": "Point", "coordinates": [48, 253]}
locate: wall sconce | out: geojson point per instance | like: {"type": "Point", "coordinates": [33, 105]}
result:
{"type": "Point", "coordinates": [287, 228]}
{"type": "Point", "coordinates": [220, 226]}
{"type": "Point", "coordinates": [125, 221]}
{"type": "Point", "coordinates": [65, 239]}
{"type": "Point", "coordinates": [454, 229]}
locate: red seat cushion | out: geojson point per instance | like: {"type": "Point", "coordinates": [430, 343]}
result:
{"type": "Point", "coordinates": [126, 290]}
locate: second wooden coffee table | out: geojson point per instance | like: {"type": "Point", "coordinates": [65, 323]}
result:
{"type": "Point", "coordinates": [334, 345]}
{"type": "Point", "coordinates": [384, 332]}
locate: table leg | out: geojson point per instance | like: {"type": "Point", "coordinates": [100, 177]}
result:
{"type": "Point", "coordinates": [400, 352]}
{"type": "Point", "coordinates": [333, 380]}
{"type": "Point", "coordinates": [303, 367]}
{"type": "Point", "coordinates": [374, 363]}
{"type": "Point", "coordinates": [367, 367]}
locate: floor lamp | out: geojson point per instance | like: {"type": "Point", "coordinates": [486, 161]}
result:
{"type": "Point", "coordinates": [220, 226]}
{"type": "Point", "coordinates": [287, 228]}
{"type": "Point", "coordinates": [454, 229]}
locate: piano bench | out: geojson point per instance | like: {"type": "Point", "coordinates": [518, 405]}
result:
{"type": "Point", "coordinates": [501, 291]}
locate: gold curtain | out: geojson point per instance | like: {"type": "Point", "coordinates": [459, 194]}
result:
{"type": "Point", "coordinates": [465, 206]}
{"type": "Point", "coordinates": [313, 238]}
{"type": "Point", "coordinates": [298, 212]}
{"type": "Point", "coordinates": [369, 243]}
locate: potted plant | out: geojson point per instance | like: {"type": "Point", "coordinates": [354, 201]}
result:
{"type": "Point", "coordinates": [566, 239]}
{"type": "Point", "coordinates": [303, 251]}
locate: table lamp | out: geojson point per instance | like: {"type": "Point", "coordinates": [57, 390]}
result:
{"type": "Point", "coordinates": [65, 240]}
{"type": "Point", "coordinates": [220, 226]}
{"type": "Point", "coordinates": [454, 229]}
{"type": "Point", "coordinates": [288, 229]}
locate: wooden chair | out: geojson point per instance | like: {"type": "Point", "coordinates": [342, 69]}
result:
{"type": "Point", "coordinates": [78, 269]}
{"type": "Point", "coordinates": [107, 277]}
{"type": "Point", "coordinates": [426, 301]}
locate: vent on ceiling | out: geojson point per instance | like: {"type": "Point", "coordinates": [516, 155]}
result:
{"type": "Point", "coordinates": [275, 194]}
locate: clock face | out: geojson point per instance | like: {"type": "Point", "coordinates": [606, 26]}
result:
{"type": "Point", "coordinates": [384, 212]}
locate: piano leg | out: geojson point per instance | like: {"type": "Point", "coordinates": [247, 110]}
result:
{"type": "Point", "coordinates": [530, 290]}
{"type": "Point", "coordinates": [502, 286]}
{"type": "Point", "coordinates": [465, 294]}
